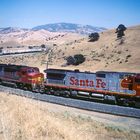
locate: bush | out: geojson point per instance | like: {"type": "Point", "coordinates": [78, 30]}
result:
{"type": "Point", "coordinates": [120, 31]}
{"type": "Point", "coordinates": [79, 58]}
{"type": "Point", "coordinates": [75, 60]}
{"type": "Point", "coordinates": [43, 46]}
{"type": "Point", "coordinates": [70, 60]}
{"type": "Point", "coordinates": [93, 37]}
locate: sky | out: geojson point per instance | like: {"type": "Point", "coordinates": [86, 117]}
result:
{"type": "Point", "coordinates": [100, 13]}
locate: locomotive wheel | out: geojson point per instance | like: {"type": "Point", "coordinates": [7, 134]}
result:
{"type": "Point", "coordinates": [126, 102]}
{"type": "Point", "coordinates": [29, 87]}
{"type": "Point", "coordinates": [18, 85]}
{"type": "Point", "coordinates": [67, 94]}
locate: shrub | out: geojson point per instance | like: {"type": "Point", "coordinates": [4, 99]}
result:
{"type": "Point", "coordinates": [93, 37]}
{"type": "Point", "coordinates": [75, 60]}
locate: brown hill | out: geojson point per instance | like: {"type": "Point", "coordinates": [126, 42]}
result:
{"type": "Point", "coordinates": [105, 54]}
{"type": "Point", "coordinates": [33, 38]}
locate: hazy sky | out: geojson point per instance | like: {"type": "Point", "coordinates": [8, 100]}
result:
{"type": "Point", "coordinates": [103, 13]}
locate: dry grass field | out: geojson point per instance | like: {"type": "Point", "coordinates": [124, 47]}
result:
{"type": "Point", "coordinates": [105, 54]}
{"type": "Point", "coordinates": [27, 119]}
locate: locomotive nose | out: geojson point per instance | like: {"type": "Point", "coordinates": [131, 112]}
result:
{"type": "Point", "coordinates": [39, 78]}
{"type": "Point", "coordinates": [36, 78]}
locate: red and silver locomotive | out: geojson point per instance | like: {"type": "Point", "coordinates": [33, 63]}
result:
{"type": "Point", "coordinates": [21, 76]}
{"type": "Point", "coordinates": [118, 86]}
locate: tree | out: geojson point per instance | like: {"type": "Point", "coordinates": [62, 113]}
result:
{"type": "Point", "coordinates": [75, 60]}
{"type": "Point", "coordinates": [70, 60]}
{"type": "Point", "coordinates": [93, 37]}
{"type": "Point", "coordinates": [79, 58]}
{"type": "Point", "coordinates": [120, 31]}
{"type": "Point", "coordinates": [43, 46]}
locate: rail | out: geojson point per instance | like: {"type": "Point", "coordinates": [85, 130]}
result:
{"type": "Point", "coordinates": [80, 104]}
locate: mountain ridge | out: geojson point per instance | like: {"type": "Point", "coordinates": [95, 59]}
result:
{"type": "Point", "coordinates": [57, 27]}
{"type": "Point", "coordinates": [69, 27]}
{"type": "Point", "coordinates": [7, 30]}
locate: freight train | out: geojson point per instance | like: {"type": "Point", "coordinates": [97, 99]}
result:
{"type": "Point", "coordinates": [120, 87]}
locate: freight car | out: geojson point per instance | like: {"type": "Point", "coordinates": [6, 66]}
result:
{"type": "Point", "coordinates": [23, 77]}
{"type": "Point", "coordinates": [121, 87]}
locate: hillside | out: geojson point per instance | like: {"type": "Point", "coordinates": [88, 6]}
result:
{"type": "Point", "coordinates": [35, 38]}
{"type": "Point", "coordinates": [70, 27]}
{"type": "Point", "coordinates": [45, 34]}
{"type": "Point", "coordinates": [105, 54]}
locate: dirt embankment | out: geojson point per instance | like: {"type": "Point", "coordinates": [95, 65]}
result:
{"type": "Point", "coordinates": [26, 119]}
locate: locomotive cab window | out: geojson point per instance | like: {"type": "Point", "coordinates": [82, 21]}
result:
{"type": "Point", "coordinates": [9, 70]}
{"type": "Point", "coordinates": [55, 76]}
{"type": "Point", "coordinates": [102, 75]}
{"type": "Point", "coordinates": [33, 70]}
{"type": "Point", "coordinates": [30, 71]}
{"type": "Point", "coordinates": [121, 76]}
{"type": "Point", "coordinates": [137, 80]}
{"type": "Point", "coordinates": [36, 70]}
{"type": "Point", "coordinates": [0, 68]}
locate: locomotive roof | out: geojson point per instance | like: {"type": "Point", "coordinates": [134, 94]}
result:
{"type": "Point", "coordinates": [14, 66]}
{"type": "Point", "coordinates": [115, 72]}
{"type": "Point", "coordinates": [63, 70]}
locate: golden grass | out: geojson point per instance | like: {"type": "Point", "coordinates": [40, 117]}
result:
{"type": "Point", "coordinates": [26, 119]}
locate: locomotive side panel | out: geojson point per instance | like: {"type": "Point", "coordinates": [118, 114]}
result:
{"type": "Point", "coordinates": [107, 82]}
{"type": "Point", "coordinates": [83, 80]}
{"type": "Point", "coordinates": [113, 81]}
{"type": "Point", "coordinates": [9, 72]}
{"type": "Point", "coordinates": [80, 80]}
{"type": "Point", "coordinates": [55, 77]}
{"type": "Point", "coordinates": [102, 81]}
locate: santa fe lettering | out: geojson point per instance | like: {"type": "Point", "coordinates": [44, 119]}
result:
{"type": "Point", "coordinates": [87, 83]}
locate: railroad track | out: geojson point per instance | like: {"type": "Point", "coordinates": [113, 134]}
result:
{"type": "Point", "coordinates": [80, 104]}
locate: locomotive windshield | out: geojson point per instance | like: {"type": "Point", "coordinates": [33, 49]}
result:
{"type": "Point", "coordinates": [32, 70]}
{"type": "Point", "coordinates": [102, 75]}
{"type": "Point", "coordinates": [137, 80]}
{"type": "Point", "coordinates": [57, 76]}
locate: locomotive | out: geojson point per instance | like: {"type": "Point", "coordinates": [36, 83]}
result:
{"type": "Point", "coordinates": [120, 87]}
{"type": "Point", "coordinates": [23, 77]}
